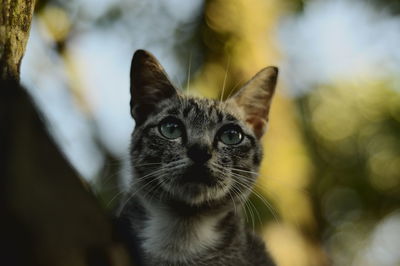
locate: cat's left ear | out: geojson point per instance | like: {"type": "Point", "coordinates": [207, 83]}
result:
{"type": "Point", "coordinates": [149, 85]}
{"type": "Point", "coordinates": [254, 99]}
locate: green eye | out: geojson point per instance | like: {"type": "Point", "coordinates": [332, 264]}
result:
{"type": "Point", "coordinates": [170, 129]}
{"type": "Point", "coordinates": [231, 135]}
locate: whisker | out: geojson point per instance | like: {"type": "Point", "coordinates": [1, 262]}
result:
{"type": "Point", "coordinates": [104, 180]}
{"type": "Point", "coordinates": [170, 166]}
{"type": "Point", "coordinates": [158, 184]}
{"type": "Point", "coordinates": [271, 178]}
{"type": "Point", "coordinates": [239, 195]}
{"type": "Point", "coordinates": [115, 197]}
{"type": "Point", "coordinates": [233, 201]}
{"type": "Point", "coordinates": [234, 87]}
{"type": "Point", "coordinates": [257, 212]}
{"type": "Point", "coordinates": [245, 171]}
{"type": "Point", "coordinates": [145, 164]}
{"type": "Point", "coordinates": [189, 70]}
{"type": "Point", "coordinates": [259, 196]}
{"type": "Point", "coordinates": [247, 209]}
{"type": "Point", "coordinates": [225, 77]}
{"type": "Point", "coordinates": [250, 186]}
{"type": "Point", "coordinates": [242, 201]}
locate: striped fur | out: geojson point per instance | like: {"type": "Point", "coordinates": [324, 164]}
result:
{"type": "Point", "coordinates": [179, 221]}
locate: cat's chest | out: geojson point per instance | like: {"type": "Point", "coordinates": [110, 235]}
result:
{"type": "Point", "coordinates": [167, 237]}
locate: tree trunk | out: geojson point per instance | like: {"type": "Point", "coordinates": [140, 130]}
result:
{"type": "Point", "coordinates": [15, 21]}
{"type": "Point", "coordinates": [48, 216]}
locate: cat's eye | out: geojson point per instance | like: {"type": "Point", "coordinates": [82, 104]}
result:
{"type": "Point", "coordinates": [231, 135]}
{"type": "Point", "coordinates": [171, 128]}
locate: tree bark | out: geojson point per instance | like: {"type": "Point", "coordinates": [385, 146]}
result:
{"type": "Point", "coordinates": [48, 216]}
{"type": "Point", "coordinates": [15, 21]}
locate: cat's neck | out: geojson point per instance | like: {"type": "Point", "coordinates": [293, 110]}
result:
{"type": "Point", "coordinates": [169, 236]}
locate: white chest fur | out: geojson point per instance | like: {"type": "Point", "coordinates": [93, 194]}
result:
{"type": "Point", "coordinates": [172, 238]}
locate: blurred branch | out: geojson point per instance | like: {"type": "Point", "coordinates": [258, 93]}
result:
{"type": "Point", "coordinates": [48, 216]}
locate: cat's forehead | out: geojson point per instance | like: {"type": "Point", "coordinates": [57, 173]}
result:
{"type": "Point", "coordinates": [199, 110]}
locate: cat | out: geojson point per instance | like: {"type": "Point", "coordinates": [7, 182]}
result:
{"type": "Point", "coordinates": [194, 162]}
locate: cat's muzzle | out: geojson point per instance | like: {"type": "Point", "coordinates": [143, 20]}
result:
{"type": "Point", "coordinates": [198, 174]}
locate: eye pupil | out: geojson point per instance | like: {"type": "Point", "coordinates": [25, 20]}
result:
{"type": "Point", "coordinates": [171, 127]}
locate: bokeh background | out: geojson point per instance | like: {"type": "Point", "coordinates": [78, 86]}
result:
{"type": "Point", "coordinates": [329, 188]}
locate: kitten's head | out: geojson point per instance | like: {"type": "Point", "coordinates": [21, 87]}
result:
{"type": "Point", "coordinates": [195, 150]}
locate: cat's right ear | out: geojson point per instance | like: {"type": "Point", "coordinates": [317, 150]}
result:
{"type": "Point", "coordinates": [149, 85]}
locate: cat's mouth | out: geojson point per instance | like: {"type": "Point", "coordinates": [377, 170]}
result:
{"type": "Point", "coordinates": [198, 174]}
{"type": "Point", "coordinates": [196, 184]}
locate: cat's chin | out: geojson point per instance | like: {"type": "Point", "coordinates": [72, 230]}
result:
{"type": "Point", "coordinates": [194, 193]}
{"type": "Point", "coordinates": [198, 177]}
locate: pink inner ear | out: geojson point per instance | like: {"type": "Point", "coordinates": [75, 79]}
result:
{"type": "Point", "coordinates": [259, 125]}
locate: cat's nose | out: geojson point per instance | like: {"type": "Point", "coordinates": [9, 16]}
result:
{"type": "Point", "coordinates": [199, 153]}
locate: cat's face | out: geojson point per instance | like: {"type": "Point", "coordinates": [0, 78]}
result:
{"type": "Point", "coordinates": [195, 150]}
